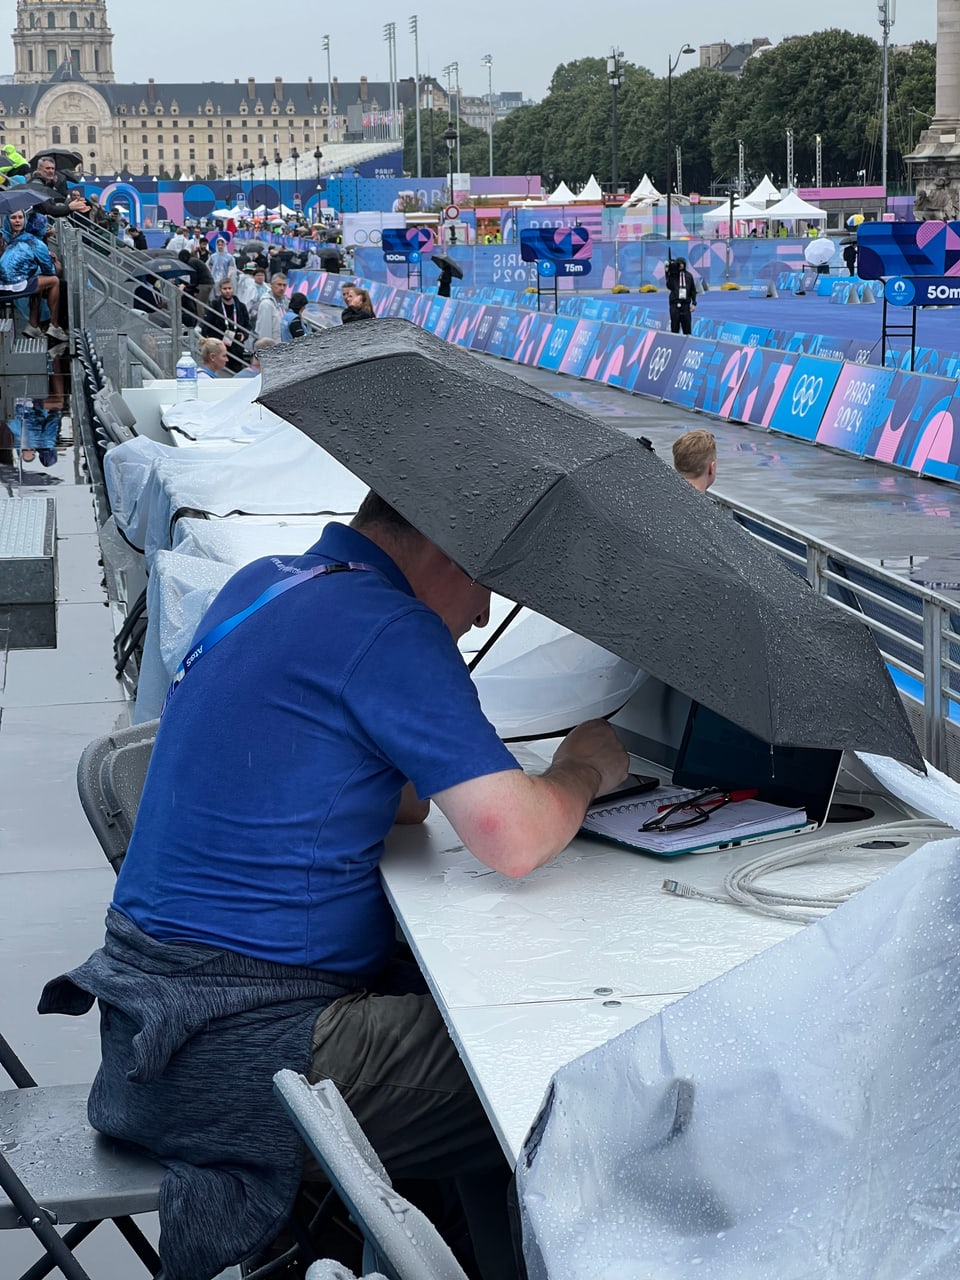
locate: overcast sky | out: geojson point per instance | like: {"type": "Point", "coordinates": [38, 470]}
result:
{"type": "Point", "coordinates": [186, 41]}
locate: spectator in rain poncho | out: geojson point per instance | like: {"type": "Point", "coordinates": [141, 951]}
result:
{"type": "Point", "coordinates": [222, 266]}
{"type": "Point", "coordinates": [12, 164]}
{"type": "Point", "coordinates": [27, 258]}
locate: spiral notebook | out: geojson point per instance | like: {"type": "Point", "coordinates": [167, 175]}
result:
{"type": "Point", "coordinates": [746, 822]}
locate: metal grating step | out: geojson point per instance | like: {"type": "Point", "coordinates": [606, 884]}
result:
{"type": "Point", "coordinates": [26, 527]}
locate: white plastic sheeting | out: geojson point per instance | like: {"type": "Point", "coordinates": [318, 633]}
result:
{"type": "Point", "coordinates": [282, 473]}
{"type": "Point", "coordinates": [794, 1118]}
{"type": "Point", "coordinates": [236, 417]}
{"type": "Point", "coordinates": [540, 678]}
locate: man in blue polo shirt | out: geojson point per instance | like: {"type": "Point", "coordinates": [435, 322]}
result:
{"type": "Point", "coordinates": [324, 699]}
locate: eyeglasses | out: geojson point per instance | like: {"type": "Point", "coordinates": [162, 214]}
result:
{"type": "Point", "coordinates": [694, 810]}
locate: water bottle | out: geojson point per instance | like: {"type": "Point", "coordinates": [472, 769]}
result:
{"type": "Point", "coordinates": [186, 377]}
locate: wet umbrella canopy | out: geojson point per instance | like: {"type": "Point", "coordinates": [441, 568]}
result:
{"type": "Point", "coordinates": [443, 261]}
{"type": "Point", "coordinates": [21, 197]}
{"type": "Point", "coordinates": [548, 507]}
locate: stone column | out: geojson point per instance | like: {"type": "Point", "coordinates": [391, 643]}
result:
{"type": "Point", "coordinates": [948, 64]}
{"type": "Point", "coordinates": [935, 162]}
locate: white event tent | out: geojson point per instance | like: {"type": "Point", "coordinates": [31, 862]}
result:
{"type": "Point", "coordinates": [764, 193]}
{"type": "Point", "coordinates": [562, 195]}
{"type": "Point", "coordinates": [742, 212]}
{"type": "Point", "coordinates": [793, 209]}
{"type": "Point", "coordinates": [591, 191]}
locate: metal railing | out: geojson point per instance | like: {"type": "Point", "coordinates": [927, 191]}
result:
{"type": "Point", "coordinates": [917, 630]}
{"type": "Point", "coordinates": [102, 289]}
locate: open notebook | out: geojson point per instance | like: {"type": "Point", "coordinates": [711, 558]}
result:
{"type": "Point", "coordinates": [746, 822]}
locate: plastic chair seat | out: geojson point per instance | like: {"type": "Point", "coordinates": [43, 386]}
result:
{"type": "Point", "coordinates": [72, 1171]}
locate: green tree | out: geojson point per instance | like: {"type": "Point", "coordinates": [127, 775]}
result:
{"type": "Point", "coordinates": [825, 83]}
{"type": "Point", "coordinates": [474, 145]}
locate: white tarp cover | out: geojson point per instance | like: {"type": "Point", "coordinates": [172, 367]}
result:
{"type": "Point", "coordinates": [281, 473]}
{"type": "Point", "coordinates": [540, 678]}
{"type": "Point", "coordinates": [795, 1118]}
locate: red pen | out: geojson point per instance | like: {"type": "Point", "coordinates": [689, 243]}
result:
{"type": "Point", "coordinates": [712, 801]}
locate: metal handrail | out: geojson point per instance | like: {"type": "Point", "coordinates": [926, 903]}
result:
{"type": "Point", "coordinates": [933, 616]}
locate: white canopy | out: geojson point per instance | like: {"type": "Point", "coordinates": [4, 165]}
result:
{"type": "Point", "coordinates": [791, 209]}
{"type": "Point", "coordinates": [562, 195]}
{"type": "Point", "coordinates": [645, 190]}
{"type": "Point", "coordinates": [763, 193]}
{"type": "Point", "coordinates": [591, 191]}
{"type": "Point", "coordinates": [741, 212]}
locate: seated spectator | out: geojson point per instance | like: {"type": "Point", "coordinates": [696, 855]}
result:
{"type": "Point", "coordinates": [292, 324]}
{"type": "Point", "coordinates": [26, 258]}
{"type": "Point", "coordinates": [358, 305]}
{"type": "Point", "coordinates": [213, 359]}
{"type": "Point", "coordinates": [695, 458]}
{"type": "Point", "coordinates": [138, 238]}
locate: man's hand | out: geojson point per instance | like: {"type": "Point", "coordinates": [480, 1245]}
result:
{"type": "Point", "coordinates": [411, 809]}
{"type": "Point", "coordinates": [595, 745]}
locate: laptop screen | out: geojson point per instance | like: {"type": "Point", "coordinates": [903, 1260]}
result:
{"type": "Point", "coordinates": [715, 752]}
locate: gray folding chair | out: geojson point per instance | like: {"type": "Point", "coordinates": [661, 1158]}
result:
{"type": "Point", "coordinates": [401, 1241]}
{"type": "Point", "coordinates": [55, 1170]}
{"type": "Point", "coordinates": [110, 778]}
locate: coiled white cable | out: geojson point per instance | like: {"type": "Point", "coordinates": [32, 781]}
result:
{"type": "Point", "coordinates": [740, 886]}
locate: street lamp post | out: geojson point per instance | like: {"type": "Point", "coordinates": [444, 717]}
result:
{"type": "Point", "coordinates": [295, 157]}
{"type": "Point", "coordinates": [318, 156]}
{"type": "Point", "coordinates": [263, 164]}
{"type": "Point", "coordinates": [488, 63]}
{"type": "Point", "coordinates": [326, 49]}
{"type": "Point", "coordinates": [452, 72]}
{"type": "Point", "coordinates": [356, 190]}
{"type": "Point", "coordinates": [415, 32]}
{"type": "Point", "coordinates": [450, 136]}
{"type": "Point", "coordinates": [672, 64]}
{"type": "Point", "coordinates": [615, 80]}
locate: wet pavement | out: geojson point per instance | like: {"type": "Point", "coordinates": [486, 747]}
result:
{"type": "Point", "coordinates": [864, 508]}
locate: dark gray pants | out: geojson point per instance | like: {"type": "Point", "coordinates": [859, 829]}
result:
{"type": "Point", "coordinates": [391, 1057]}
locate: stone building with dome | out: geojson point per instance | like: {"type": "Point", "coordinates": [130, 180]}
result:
{"type": "Point", "coordinates": [64, 94]}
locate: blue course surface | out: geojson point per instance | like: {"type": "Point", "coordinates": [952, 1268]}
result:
{"type": "Point", "coordinates": [938, 328]}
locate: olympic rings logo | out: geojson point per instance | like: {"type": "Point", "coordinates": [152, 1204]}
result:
{"type": "Point", "coordinates": [805, 395]}
{"type": "Point", "coordinates": [657, 364]}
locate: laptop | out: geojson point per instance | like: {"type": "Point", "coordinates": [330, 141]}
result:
{"type": "Point", "coordinates": [714, 752]}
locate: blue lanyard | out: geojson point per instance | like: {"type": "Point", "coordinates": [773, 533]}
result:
{"type": "Point", "coordinates": [222, 629]}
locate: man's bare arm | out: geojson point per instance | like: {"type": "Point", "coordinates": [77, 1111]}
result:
{"type": "Point", "coordinates": [514, 823]}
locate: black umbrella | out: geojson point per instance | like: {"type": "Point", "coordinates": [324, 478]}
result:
{"type": "Point", "coordinates": [441, 260]}
{"type": "Point", "coordinates": [61, 158]}
{"type": "Point", "coordinates": [548, 507]}
{"type": "Point", "coordinates": [250, 246]}
{"type": "Point", "coordinates": [23, 197]}
{"type": "Point", "coordinates": [163, 269]}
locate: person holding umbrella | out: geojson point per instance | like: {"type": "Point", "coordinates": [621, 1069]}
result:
{"type": "Point", "coordinates": [335, 707]}
{"type": "Point", "coordinates": [449, 271]}
{"type": "Point", "coordinates": [850, 256]}
{"type": "Point", "coordinates": [682, 290]}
